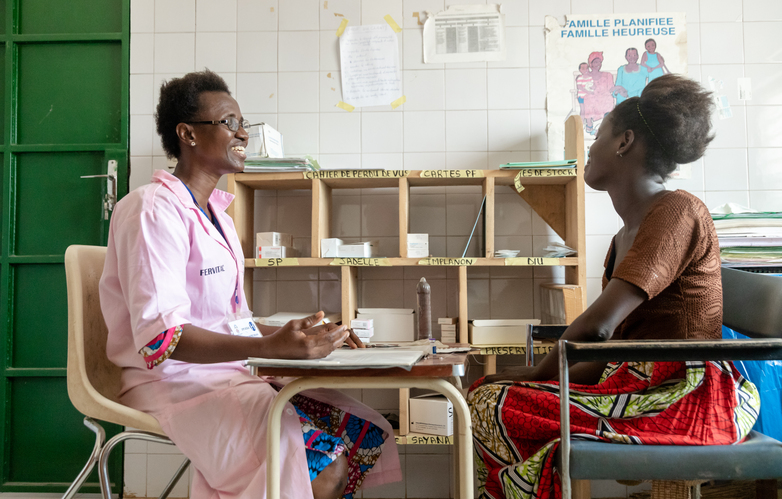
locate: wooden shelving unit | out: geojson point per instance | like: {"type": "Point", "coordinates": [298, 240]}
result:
{"type": "Point", "coordinates": [556, 195]}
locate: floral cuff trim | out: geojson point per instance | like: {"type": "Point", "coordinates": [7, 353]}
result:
{"type": "Point", "coordinates": [161, 348]}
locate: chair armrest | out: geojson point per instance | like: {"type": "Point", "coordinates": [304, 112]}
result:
{"type": "Point", "coordinates": [541, 332]}
{"type": "Point", "coordinates": [672, 350]}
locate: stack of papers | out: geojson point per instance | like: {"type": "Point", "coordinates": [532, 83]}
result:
{"type": "Point", "coordinates": [252, 165]}
{"type": "Point", "coordinates": [360, 358]}
{"type": "Point", "coordinates": [565, 163]}
{"type": "Point", "coordinates": [748, 237]}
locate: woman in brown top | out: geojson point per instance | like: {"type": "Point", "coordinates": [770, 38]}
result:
{"type": "Point", "coordinates": [662, 281]}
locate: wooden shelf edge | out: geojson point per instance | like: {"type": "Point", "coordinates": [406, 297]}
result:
{"type": "Point", "coordinates": [412, 262]}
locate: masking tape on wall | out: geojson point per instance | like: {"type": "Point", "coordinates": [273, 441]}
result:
{"type": "Point", "coordinates": [342, 27]}
{"type": "Point", "coordinates": [347, 107]}
{"type": "Point", "coordinates": [398, 102]}
{"type": "Point", "coordinates": [392, 23]}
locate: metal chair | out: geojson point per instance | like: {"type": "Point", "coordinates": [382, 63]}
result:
{"type": "Point", "coordinates": [93, 380]}
{"type": "Point", "coordinates": [753, 307]}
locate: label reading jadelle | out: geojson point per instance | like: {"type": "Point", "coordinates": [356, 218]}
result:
{"type": "Point", "coordinates": [276, 262]}
{"type": "Point", "coordinates": [361, 262]}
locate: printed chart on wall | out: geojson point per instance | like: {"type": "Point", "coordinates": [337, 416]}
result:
{"type": "Point", "coordinates": [595, 62]}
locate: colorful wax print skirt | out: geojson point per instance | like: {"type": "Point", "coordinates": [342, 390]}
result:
{"type": "Point", "coordinates": [328, 432]}
{"type": "Point", "coordinates": [516, 424]}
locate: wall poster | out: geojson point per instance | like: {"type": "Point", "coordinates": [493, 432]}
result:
{"type": "Point", "coordinates": [596, 61]}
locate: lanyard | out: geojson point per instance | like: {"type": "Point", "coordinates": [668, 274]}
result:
{"type": "Point", "coordinates": [216, 223]}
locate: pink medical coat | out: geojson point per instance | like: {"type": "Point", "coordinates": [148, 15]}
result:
{"type": "Point", "coordinates": [168, 265]}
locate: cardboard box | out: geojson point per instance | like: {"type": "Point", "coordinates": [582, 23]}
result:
{"type": "Point", "coordinates": [500, 332]}
{"type": "Point", "coordinates": [328, 247]}
{"type": "Point", "coordinates": [417, 238]}
{"type": "Point", "coordinates": [273, 239]}
{"type": "Point", "coordinates": [559, 303]}
{"type": "Point", "coordinates": [417, 253]}
{"type": "Point", "coordinates": [366, 324]}
{"type": "Point", "coordinates": [447, 320]}
{"type": "Point", "coordinates": [364, 333]}
{"type": "Point", "coordinates": [431, 414]}
{"type": "Point", "coordinates": [277, 252]}
{"type": "Point", "coordinates": [390, 324]}
{"type": "Point", "coordinates": [366, 249]}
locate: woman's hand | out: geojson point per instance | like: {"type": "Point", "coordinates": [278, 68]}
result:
{"type": "Point", "coordinates": [353, 341]}
{"type": "Point", "coordinates": [299, 339]}
{"type": "Point", "coordinates": [521, 373]}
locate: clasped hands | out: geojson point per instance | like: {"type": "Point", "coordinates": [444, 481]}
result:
{"type": "Point", "coordinates": [301, 339]}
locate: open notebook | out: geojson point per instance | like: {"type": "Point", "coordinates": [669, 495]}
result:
{"type": "Point", "coordinates": [349, 359]}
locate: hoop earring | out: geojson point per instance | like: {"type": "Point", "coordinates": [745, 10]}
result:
{"type": "Point", "coordinates": [192, 143]}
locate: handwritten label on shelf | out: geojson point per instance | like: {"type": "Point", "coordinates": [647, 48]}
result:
{"type": "Point", "coordinates": [532, 260]}
{"type": "Point", "coordinates": [459, 262]}
{"type": "Point", "coordinates": [276, 262]}
{"type": "Point", "coordinates": [451, 173]}
{"type": "Point", "coordinates": [361, 262]}
{"type": "Point", "coordinates": [517, 182]}
{"type": "Point", "coordinates": [320, 174]}
{"type": "Point", "coordinates": [511, 350]}
{"type": "Point", "coordinates": [546, 172]}
{"type": "Point", "coordinates": [424, 440]}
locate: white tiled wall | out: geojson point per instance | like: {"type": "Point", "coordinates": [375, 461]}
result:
{"type": "Point", "coordinates": [281, 61]}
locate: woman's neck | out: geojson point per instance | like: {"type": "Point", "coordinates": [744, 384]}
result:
{"type": "Point", "coordinates": [199, 182]}
{"type": "Point", "coordinates": [632, 200]}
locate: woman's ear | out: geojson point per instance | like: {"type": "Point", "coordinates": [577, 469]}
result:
{"type": "Point", "coordinates": [627, 142]}
{"type": "Point", "coordinates": [186, 133]}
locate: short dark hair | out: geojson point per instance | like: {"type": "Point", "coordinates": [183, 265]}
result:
{"type": "Point", "coordinates": [672, 117]}
{"type": "Point", "coordinates": [180, 103]}
{"type": "Point", "coordinates": [631, 48]}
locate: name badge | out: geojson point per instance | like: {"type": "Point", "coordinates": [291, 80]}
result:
{"type": "Point", "coordinates": [244, 327]}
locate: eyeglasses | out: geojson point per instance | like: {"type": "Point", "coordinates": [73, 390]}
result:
{"type": "Point", "coordinates": [233, 124]}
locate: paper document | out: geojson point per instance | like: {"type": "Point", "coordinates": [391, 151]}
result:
{"type": "Point", "coordinates": [369, 59]}
{"type": "Point", "coordinates": [465, 33]}
{"type": "Point", "coordinates": [359, 358]}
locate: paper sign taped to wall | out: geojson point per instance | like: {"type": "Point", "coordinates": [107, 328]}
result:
{"type": "Point", "coordinates": [465, 33]}
{"type": "Point", "coordinates": [369, 59]}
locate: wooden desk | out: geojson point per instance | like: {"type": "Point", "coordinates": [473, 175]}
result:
{"type": "Point", "coordinates": [431, 374]}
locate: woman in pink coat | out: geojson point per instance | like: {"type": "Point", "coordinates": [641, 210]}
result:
{"type": "Point", "coordinates": [172, 284]}
{"type": "Point", "coordinates": [599, 101]}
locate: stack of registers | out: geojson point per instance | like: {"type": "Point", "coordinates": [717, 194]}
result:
{"type": "Point", "coordinates": [265, 153]}
{"type": "Point", "coordinates": [448, 329]}
{"type": "Point", "coordinates": [748, 238]}
{"type": "Point", "coordinates": [548, 165]}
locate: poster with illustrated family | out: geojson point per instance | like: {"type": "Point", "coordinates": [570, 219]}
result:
{"type": "Point", "coordinates": [594, 62]}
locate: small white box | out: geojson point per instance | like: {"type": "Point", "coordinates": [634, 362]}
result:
{"type": "Point", "coordinates": [328, 247]}
{"type": "Point", "coordinates": [366, 249]}
{"type": "Point", "coordinates": [362, 324]}
{"type": "Point", "coordinates": [364, 333]}
{"type": "Point", "coordinates": [276, 252]}
{"type": "Point", "coordinates": [273, 239]}
{"type": "Point", "coordinates": [431, 414]}
{"type": "Point", "coordinates": [390, 324]}
{"type": "Point", "coordinates": [417, 239]}
{"type": "Point", "coordinates": [417, 253]}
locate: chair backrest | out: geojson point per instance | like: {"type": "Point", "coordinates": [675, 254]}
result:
{"type": "Point", "coordinates": [752, 303]}
{"type": "Point", "coordinates": [93, 380]}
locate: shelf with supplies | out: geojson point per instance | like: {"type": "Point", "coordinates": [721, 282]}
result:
{"type": "Point", "coordinates": [556, 195]}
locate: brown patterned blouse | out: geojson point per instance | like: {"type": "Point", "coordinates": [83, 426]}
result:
{"type": "Point", "coordinates": [675, 259]}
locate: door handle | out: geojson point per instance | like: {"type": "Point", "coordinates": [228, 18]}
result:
{"type": "Point", "coordinates": [110, 198]}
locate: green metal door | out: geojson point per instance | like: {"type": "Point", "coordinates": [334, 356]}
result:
{"type": "Point", "coordinates": [64, 87]}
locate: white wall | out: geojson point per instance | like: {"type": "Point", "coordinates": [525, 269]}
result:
{"type": "Point", "coordinates": [280, 59]}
